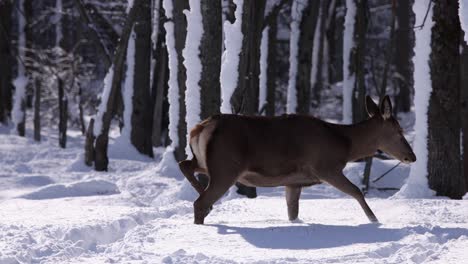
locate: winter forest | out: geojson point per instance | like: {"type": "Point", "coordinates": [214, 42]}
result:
{"type": "Point", "coordinates": [98, 98]}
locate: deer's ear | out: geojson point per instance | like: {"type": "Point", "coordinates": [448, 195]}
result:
{"type": "Point", "coordinates": [371, 108]}
{"type": "Point", "coordinates": [386, 108]}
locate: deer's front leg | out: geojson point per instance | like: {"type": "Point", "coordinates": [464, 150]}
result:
{"type": "Point", "coordinates": [293, 194]}
{"type": "Point", "coordinates": [339, 181]}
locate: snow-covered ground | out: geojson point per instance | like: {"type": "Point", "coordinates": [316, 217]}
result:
{"type": "Point", "coordinates": [53, 209]}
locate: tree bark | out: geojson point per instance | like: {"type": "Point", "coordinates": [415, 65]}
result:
{"type": "Point", "coordinates": [245, 97]}
{"type": "Point", "coordinates": [160, 79]}
{"type": "Point", "coordinates": [358, 61]}
{"type": "Point", "coordinates": [272, 68]}
{"type": "Point", "coordinates": [464, 108]}
{"type": "Point", "coordinates": [308, 26]}
{"type": "Point", "coordinates": [5, 62]}
{"type": "Point", "coordinates": [317, 89]}
{"type": "Point", "coordinates": [89, 144]}
{"type": "Point", "coordinates": [210, 56]}
{"type": "Point", "coordinates": [63, 114]}
{"type": "Point", "coordinates": [37, 110]}
{"type": "Point", "coordinates": [444, 166]}
{"type": "Point", "coordinates": [180, 32]}
{"type": "Point", "coordinates": [403, 56]}
{"type": "Point", "coordinates": [141, 119]}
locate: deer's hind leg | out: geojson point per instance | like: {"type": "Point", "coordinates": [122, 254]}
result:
{"type": "Point", "coordinates": [342, 183]}
{"type": "Point", "coordinates": [223, 174]}
{"type": "Point", "coordinates": [188, 168]}
{"type": "Point", "coordinates": [293, 193]}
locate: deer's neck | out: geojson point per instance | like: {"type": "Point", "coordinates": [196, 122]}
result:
{"type": "Point", "coordinates": [363, 137]}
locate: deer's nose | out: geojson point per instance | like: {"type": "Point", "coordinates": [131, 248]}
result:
{"type": "Point", "coordinates": [410, 158]}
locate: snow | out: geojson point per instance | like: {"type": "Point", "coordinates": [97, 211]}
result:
{"type": "Point", "coordinates": [129, 6]}
{"type": "Point", "coordinates": [463, 14]}
{"type": "Point", "coordinates": [417, 185]}
{"type": "Point", "coordinates": [230, 59]}
{"type": "Point", "coordinates": [81, 188]}
{"type": "Point", "coordinates": [21, 80]}
{"type": "Point", "coordinates": [136, 213]}
{"type": "Point", "coordinates": [262, 92]}
{"type": "Point", "coordinates": [296, 18]}
{"type": "Point", "coordinates": [127, 91]}
{"type": "Point", "coordinates": [173, 93]}
{"type": "Point", "coordinates": [192, 62]}
{"type": "Point", "coordinates": [348, 46]}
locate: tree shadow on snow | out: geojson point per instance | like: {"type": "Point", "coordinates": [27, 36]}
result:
{"type": "Point", "coordinates": [317, 236]}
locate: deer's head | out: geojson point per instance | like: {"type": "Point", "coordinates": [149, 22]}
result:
{"type": "Point", "coordinates": [390, 138]}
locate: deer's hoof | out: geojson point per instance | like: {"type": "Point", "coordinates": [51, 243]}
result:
{"type": "Point", "coordinates": [373, 219]}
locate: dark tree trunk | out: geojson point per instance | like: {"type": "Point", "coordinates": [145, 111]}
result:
{"type": "Point", "coordinates": [271, 67]}
{"type": "Point", "coordinates": [37, 110]}
{"type": "Point", "coordinates": [63, 114]}
{"type": "Point", "coordinates": [444, 166]}
{"type": "Point", "coordinates": [403, 56]}
{"type": "Point", "coordinates": [245, 97]}
{"type": "Point", "coordinates": [358, 61]}
{"type": "Point", "coordinates": [317, 89]}
{"type": "Point", "coordinates": [89, 144]}
{"type": "Point", "coordinates": [101, 160]}
{"type": "Point", "coordinates": [160, 78]}
{"type": "Point", "coordinates": [304, 56]}
{"type": "Point", "coordinates": [141, 119]}
{"type": "Point", "coordinates": [81, 111]}
{"type": "Point", "coordinates": [464, 108]}
{"type": "Point", "coordinates": [5, 62]}
{"type": "Point", "coordinates": [180, 32]}
{"type": "Point", "coordinates": [210, 56]}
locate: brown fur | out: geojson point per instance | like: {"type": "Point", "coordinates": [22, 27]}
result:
{"type": "Point", "coordinates": [290, 150]}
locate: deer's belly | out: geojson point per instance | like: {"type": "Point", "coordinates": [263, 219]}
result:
{"type": "Point", "coordinates": [255, 179]}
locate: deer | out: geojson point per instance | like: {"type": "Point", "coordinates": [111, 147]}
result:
{"type": "Point", "coordinates": [292, 150]}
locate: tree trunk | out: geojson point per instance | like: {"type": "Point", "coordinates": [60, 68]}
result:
{"type": "Point", "coordinates": [160, 79]}
{"type": "Point", "coordinates": [141, 115]}
{"type": "Point", "coordinates": [210, 56]}
{"type": "Point", "coordinates": [63, 114]}
{"type": "Point", "coordinates": [304, 56]}
{"type": "Point", "coordinates": [322, 27]}
{"type": "Point", "coordinates": [37, 110]}
{"type": "Point", "coordinates": [101, 160]}
{"type": "Point", "coordinates": [464, 108]}
{"type": "Point", "coordinates": [444, 166]}
{"type": "Point", "coordinates": [89, 144]}
{"type": "Point", "coordinates": [5, 62]}
{"type": "Point", "coordinates": [245, 97]}
{"type": "Point", "coordinates": [358, 61]}
{"type": "Point", "coordinates": [272, 67]}
{"type": "Point", "coordinates": [180, 32]}
{"type": "Point", "coordinates": [403, 56]}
